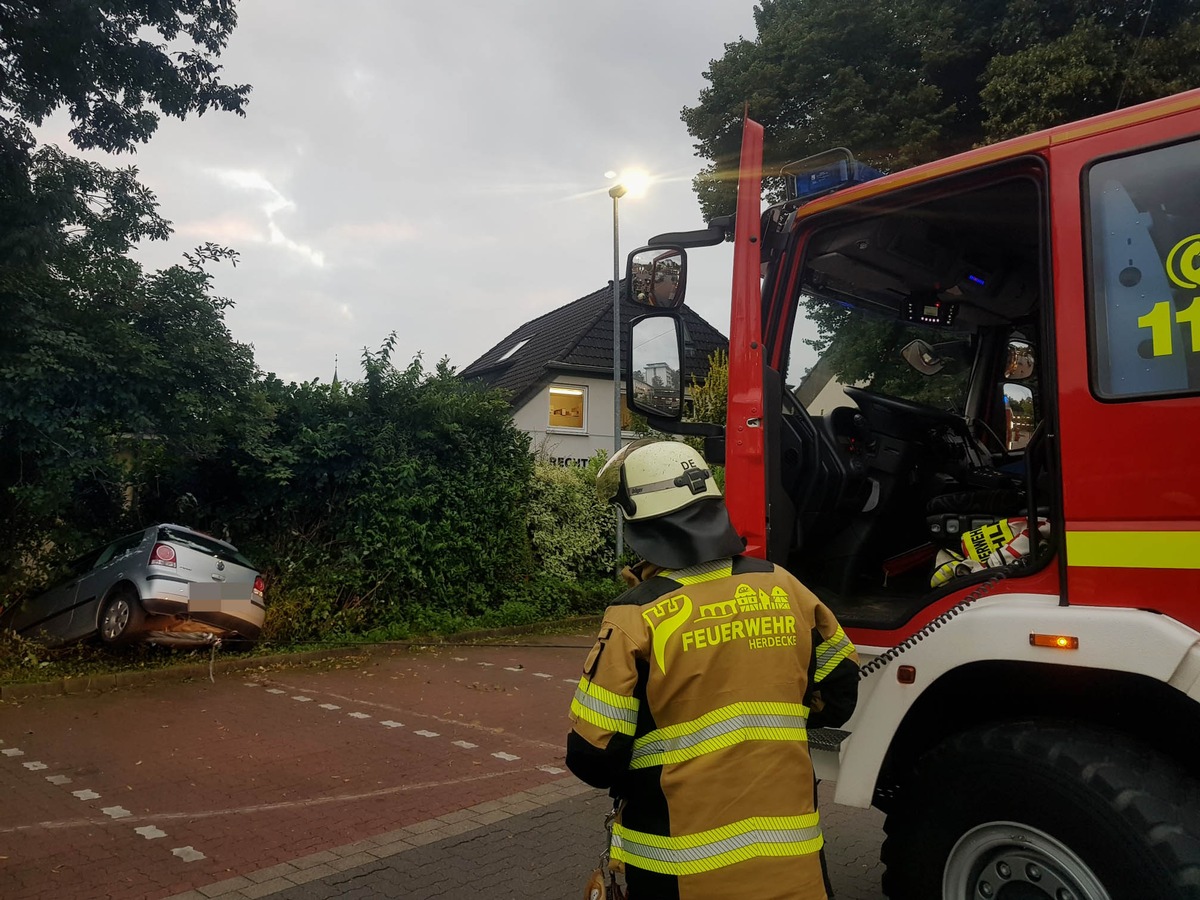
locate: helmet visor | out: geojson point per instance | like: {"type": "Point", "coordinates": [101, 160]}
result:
{"type": "Point", "coordinates": [610, 481]}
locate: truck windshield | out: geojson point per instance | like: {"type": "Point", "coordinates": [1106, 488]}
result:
{"type": "Point", "coordinates": [838, 344]}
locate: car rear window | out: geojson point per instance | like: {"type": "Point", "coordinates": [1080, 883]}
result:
{"type": "Point", "coordinates": [205, 545]}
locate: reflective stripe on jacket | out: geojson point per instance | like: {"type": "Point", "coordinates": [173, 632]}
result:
{"type": "Point", "coordinates": [694, 707]}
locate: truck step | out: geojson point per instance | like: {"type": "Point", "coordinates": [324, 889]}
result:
{"type": "Point", "coordinates": [826, 739]}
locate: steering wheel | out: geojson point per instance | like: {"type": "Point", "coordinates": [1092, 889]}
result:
{"type": "Point", "coordinates": [903, 412]}
{"type": "Point", "coordinates": [906, 408]}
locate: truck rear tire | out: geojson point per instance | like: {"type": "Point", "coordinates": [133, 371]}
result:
{"type": "Point", "coordinates": [1037, 811]}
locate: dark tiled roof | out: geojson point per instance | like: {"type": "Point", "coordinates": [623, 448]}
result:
{"type": "Point", "coordinates": [578, 338]}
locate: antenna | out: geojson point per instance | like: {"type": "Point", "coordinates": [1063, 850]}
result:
{"type": "Point", "coordinates": [1136, 50]}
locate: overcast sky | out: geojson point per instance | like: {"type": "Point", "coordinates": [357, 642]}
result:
{"type": "Point", "coordinates": [437, 169]}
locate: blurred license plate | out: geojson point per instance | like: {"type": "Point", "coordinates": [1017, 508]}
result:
{"type": "Point", "coordinates": [219, 597]}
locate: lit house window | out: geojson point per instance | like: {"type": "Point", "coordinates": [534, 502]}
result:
{"type": "Point", "coordinates": [568, 407]}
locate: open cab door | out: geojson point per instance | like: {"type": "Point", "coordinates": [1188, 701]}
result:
{"type": "Point", "coordinates": [921, 441]}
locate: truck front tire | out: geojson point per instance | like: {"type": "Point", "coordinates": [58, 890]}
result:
{"type": "Point", "coordinates": [1043, 811]}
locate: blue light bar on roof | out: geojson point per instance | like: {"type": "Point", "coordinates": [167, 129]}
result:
{"type": "Point", "coordinates": [824, 173]}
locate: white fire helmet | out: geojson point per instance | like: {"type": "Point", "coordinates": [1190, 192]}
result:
{"type": "Point", "coordinates": [650, 478]}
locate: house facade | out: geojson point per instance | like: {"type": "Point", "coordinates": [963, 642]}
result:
{"type": "Point", "coordinates": [558, 370]}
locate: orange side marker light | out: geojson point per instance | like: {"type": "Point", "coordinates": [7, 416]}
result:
{"type": "Point", "coordinates": [1054, 641]}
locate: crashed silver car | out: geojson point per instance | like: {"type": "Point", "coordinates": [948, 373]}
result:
{"type": "Point", "coordinates": [166, 584]}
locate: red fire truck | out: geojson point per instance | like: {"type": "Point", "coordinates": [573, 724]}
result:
{"type": "Point", "coordinates": [991, 477]}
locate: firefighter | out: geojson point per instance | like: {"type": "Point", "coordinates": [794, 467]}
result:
{"type": "Point", "coordinates": [695, 699]}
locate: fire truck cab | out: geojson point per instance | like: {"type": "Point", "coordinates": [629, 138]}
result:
{"type": "Point", "coordinates": [990, 476]}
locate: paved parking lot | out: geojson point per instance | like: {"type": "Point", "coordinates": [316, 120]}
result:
{"type": "Point", "coordinates": [413, 773]}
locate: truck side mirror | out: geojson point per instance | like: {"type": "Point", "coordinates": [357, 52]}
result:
{"type": "Point", "coordinates": [654, 377]}
{"type": "Point", "coordinates": [1020, 362]}
{"type": "Point", "coordinates": [656, 276]}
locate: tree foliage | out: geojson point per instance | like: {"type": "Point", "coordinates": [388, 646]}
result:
{"type": "Point", "coordinates": [99, 60]}
{"type": "Point", "coordinates": [711, 396]}
{"type": "Point", "coordinates": [865, 351]}
{"type": "Point", "coordinates": [901, 84]}
{"type": "Point", "coordinates": [376, 501]}
{"type": "Point", "coordinates": [105, 369]}
{"type": "Point", "coordinates": [108, 374]}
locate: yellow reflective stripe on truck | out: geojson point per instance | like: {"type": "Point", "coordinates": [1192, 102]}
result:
{"type": "Point", "coordinates": [1134, 549]}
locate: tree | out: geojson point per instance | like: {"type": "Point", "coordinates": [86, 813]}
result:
{"type": "Point", "coordinates": [94, 58]}
{"type": "Point", "coordinates": [710, 396]}
{"type": "Point", "coordinates": [108, 374]}
{"type": "Point", "coordinates": [866, 351]}
{"type": "Point", "coordinates": [901, 84]}
{"type": "Point", "coordinates": [1101, 61]}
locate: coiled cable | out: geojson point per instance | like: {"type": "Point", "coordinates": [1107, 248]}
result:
{"type": "Point", "coordinates": [981, 591]}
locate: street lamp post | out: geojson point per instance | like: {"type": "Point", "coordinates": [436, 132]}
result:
{"type": "Point", "coordinates": [617, 191]}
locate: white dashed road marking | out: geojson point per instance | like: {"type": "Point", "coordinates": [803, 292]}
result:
{"type": "Point", "coordinates": [551, 770]}
{"type": "Point", "coordinates": [429, 734]}
{"type": "Point", "coordinates": [58, 779]}
{"type": "Point", "coordinates": [507, 757]}
{"type": "Point", "coordinates": [116, 812]}
{"type": "Point", "coordinates": [275, 691]}
{"type": "Point", "coordinates": [188, 854]}
{"type": "Point", "coordinates": [150, 832]}
{"type": "Point", "coordinates": [86, 794]}
{"type": "Point", "coordinates": [514, 668]}
{"type": "Point", "coordinates": [251, 684]}
{"type": "Point", "coordinates": [459, 658]}
{"type": "Point", "coordinates": [35, 766]}
{"type": "Point", "coordinates": [330, 706]}
{"type": "Point", "coordinates": [569, 680]}
{"type": "Point", "coordinates": [487, 664]}
{"type": "Point", "coordinates": [390, 724]}
{"type": "Point", "coordinates": [358, 715]}
{"type": "Point", "coordinates": [13, 751]}
{"type": "Point", "coordinates": [542, 675]}
{"type": "Point", "coordinates": [466, 745]}
{"type": "Point", "coordinates": [303, 699]}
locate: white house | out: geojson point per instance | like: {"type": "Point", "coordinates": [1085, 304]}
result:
{"type": "Point", "coordinates": [558, 370]}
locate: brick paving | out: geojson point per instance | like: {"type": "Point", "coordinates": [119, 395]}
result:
{"type": "Point", "coordinates": [412, 773]}
{"type": "Point", "coordinates": [537, 844]}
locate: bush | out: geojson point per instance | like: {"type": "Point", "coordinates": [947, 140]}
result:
{"type": "Point", "coordinates": [571, 531]}
{"type": "Point", "coordinates": [392, 500]}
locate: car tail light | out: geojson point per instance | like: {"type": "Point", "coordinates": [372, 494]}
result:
{"type": "Point", "coordinates": [259, 585]}
{"type": "Point", "coordinates": [163, 555]}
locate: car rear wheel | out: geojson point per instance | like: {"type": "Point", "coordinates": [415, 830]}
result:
{"type": "Point", "coordinates": [1032, 811]}
{"type": "Point", "coordinates": [122, 618]}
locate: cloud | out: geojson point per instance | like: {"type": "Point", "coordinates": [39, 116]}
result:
{"type": "Point", "coordinates": [435, 169]}
{"type": "Point", "coordinates": [225, 230]}
{"type": "Point", "coordinates": [375, 232]}
{"type": "Point", "coordinates": [276, 203]}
